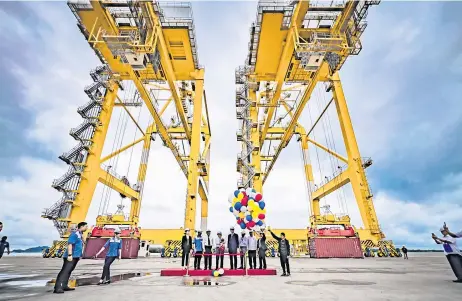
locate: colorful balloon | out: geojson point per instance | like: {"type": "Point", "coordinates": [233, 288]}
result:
{"type": "Point", "coordinates": [243, 208]}
{"type": "Point", "coordinates": [260, 223]}
{"type": "Point", "coordinates": [261, 216]}
{"type": "Point", "coordinates": [237, 206]}
{"type": "Point", "coordinates": [245, 201]}
{"type": "Point", "coordinates": [248, 217]}
{"type": "Point", "coordinates": [241, 214]}
{"type": "Point", "coordinates": [261, 205]}
{"type": "Point", "coordinates": [242, 225]}
{"type": "Point", "coordinates": [240, 196]}
{"type": "Point", "coordinates": [231, 209]}
{"type": "Point", "coordinates": [236, 193]}
{"type": "Point", "coordinates": [258, 197]}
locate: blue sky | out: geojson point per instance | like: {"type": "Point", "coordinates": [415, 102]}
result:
{"type": "Point", "coordinates": [403, 92]}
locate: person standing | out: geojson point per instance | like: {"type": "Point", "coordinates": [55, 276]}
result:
{"type": "Point", "coordinates": [208, 246]}
{"type": "Point", "coordinates": [283, 249]}
{"type": "Point", "coordinates": [261, 246]}
{"type": "Point", "coordinates": [4, 245]}
{"type": "Point", "coordinates": [252, 244]}
{"type": "Point", "coordinates": [243, 246]}
{"type": "Point", "coordinates": [404, 250]}
{"type": "Point", "coordinates": [70, 259]}
{"type": "Point", "coordinates": [186, 246]}
{"type": "Point", "coordinates": [219, 250]}
{"type": "Point", "coordinates": [233, 245]}
{"type": "Point", "coordinates": [451, 251]}
{"type": "Point", "coordinates": [114, 246]}
{"type": "Point", "coordinates": [198, 250]}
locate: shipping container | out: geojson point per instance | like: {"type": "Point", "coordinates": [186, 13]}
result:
{"type": "Point", "coordinates": [335, 248]}
{"type": "Point", "coordinates": [130, 247]}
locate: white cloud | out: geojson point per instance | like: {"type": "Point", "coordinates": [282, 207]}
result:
{"type": "Point", "coordinates": [54, 91]}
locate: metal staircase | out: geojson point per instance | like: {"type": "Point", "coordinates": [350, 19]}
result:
{"type": "Point", "coordinates": [243, 105]}
{"type": "Point", "coordinates": [69, 183]}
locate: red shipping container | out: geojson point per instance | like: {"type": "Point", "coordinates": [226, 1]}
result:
{"type": "Point", "coordinates": [335, 248]}
{"type": "Point", "coordinates": [130, 247]}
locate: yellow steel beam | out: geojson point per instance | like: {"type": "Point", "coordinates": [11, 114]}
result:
{"type": "Point", "coordinates": [121, 150]}
{"type": "Point", "coordinates": [290, 128]}
{"type": "Point", "coordinates": [345, 16]}
{"type": "Point", "coordinates": [169, 72]}
{"type": "Point", "coordinates": [110, 181]}
{"type": "Point", "coordinates": [332, 185]}
{"type": "Point", "coordinates": [193, 172]}
{"type": "Point", "coordinates": [358, 179]}
{"type": "Point", "coordinates": [161, 129]}
{"type": "Point", "coordinates": [90, 173]}
{"type": "Point", "coordinates": [136, 203]}
{"type": "Point", "coordinates": [165, 106]}
{"type": "Point", "coordinates": [340, 157]}
{"type": "Point", "coordinates": [284, 62]}
{"type": "Point", "coordinates": [129, 114]}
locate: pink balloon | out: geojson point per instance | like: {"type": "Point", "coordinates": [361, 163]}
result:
{"type": "Point", "coordinates": [261, 216]}
{"type": "Point", "coordinates": [245, 201]}
{"type": "Point", "coordinates": [258, 197]}
{"type": "Point", "coordinates": [251, 224]}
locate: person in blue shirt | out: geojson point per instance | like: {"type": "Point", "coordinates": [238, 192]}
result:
{"type": "Point", "coordinates": [198, 249]}
{"type": "Point", "coordinates": [70, 259]}
{"type": "Point", "coordinates": [114, 246]}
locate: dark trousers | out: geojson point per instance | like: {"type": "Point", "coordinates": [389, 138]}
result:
{"type": "Point", "coordinates": [208, 258]}
{"type": "Point", "coordinates": [405, 256]}
{"type": "Point", "coordinates": [197, 260]}
{"type": "Point", "coordinates": [185, 257]}
{"type": "Point", "coordinates": [220, 258]}
{"type": "Point", "coordinates": [253, 259]}
{"type": "Point", "coordinates": [233, 259]}
{"type": "Point", "coordinates": [63, 277]}
{"type": "Point", "coordinates": [285, 264]}
{"type": "Point", "coordinates": [262, 260]}
{"type": "Point", "coordinates": [455, 261]}
{"type": "Point", "coordinates": [243, 260]}
{"type": "Point", "coordinates": [106, 269]}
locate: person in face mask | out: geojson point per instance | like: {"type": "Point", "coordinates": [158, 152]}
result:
{"type": "Point", "coordinates": [243, 245]}
{"type": "Point", "coordinates": [233, 245]}
{"type": "Point", "coordinates": [114, 246]}
{"type": "Point", "coordinates": [208, 246]}
{"type": "Point", "coordinates": [186, 246]}
{"type": "Point", "coordinates": [199, 249]}
{"type": "Point", "coordinates": [252, 241]}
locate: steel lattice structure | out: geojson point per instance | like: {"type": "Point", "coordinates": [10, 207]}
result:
{"type": "Point", "coordinates": [151, 46]}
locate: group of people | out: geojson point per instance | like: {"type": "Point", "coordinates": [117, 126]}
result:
{"type": "Point", "coordinates": [74, 252]}
{"type": "Point", "coordinates": [208, 246]}
{"type": "Point", "coordinates": [451, 250]}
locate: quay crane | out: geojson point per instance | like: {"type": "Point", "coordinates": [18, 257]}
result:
{"type": "Point", "coordinates": [149, 59]}
{"type": "Point", "coordinates": [294, 47]}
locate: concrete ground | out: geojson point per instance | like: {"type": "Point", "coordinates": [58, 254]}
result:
{"type": "Point", "coordinates": [425, 276]}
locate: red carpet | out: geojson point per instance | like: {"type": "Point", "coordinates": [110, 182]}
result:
{"type": "Point", "coordinates": [181, 272]}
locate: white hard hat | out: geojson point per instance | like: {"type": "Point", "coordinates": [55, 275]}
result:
{"type": "Point", "coordinates": [187, 229]}
{"type": "Point", "coordinates": [208, 230]}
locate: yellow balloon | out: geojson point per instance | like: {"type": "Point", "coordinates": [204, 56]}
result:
{"type": "Point", "coordinates": [264, 211]}
{"type": "Point", "coordinates": [235, 200]}
{"type": "Point", "coordinates": [241, 214]}
{"type": "Point", "coordinates": [240, 196]}
{"type": "Point", "coordinates": [254, 214]}
{"type": "Point", "coordinates": [251, 204]}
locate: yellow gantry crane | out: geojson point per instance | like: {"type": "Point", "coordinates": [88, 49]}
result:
{"type": "Point", "coordinates": [146, 48]}
{"type": "Point", "coordinates": [294, 47]}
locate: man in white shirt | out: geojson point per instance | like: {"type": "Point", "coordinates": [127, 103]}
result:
{"type": "Point", "coordinates": [208, 246]}
{"type": "Point", "coordinates": [252, 245]}
{"type": "Point", "coordinates": [220, 245]}
{"type": "Point", "coordinates": [451, 251]}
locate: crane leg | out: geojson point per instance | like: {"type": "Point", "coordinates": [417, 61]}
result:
{"type": "Point", "coordinates": [193, 169]}
{"type": "Point", "coordinates": [92, 169]}
{"type": "Point", "coordinates": [356, 175]}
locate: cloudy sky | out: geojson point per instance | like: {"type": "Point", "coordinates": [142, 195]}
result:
{"type": "Point", "coordinates": [403, 92]}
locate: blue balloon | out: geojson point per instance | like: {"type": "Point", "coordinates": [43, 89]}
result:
{"type": "Point", "coordinates": [248, 217]}
{"type": "Point", "coordinates": [261, 204]}
{"type": "Point", "coordinates": [231, 209]}
{"type": "Point", "coordinates": [242, 225]}
{"type": "Point", "coordinates": [236, 193]}
{"type": "Point", "coordinates": [254, 191]}
{"type": "Point", "coordinates": [238, 206]}
{"type": "Point", "coordinates": [259, 223]}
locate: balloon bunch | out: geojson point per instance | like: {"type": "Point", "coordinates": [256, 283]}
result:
{"type": "Point", "coordinates": [218, 273]}
{"type": "Point", "coordinates": [248, 207]}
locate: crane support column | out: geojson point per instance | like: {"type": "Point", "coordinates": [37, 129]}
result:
{"type": "Point", "coordinates": [91, 172]}
{"type": "Point", "coordinates": [356, 172]}
{"type": "Point", "coordinates": [193, 172]}
{"type": "Point", "coordinates": [136, 203]}
{"type": "Point", "coordinates": [255, 138]}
